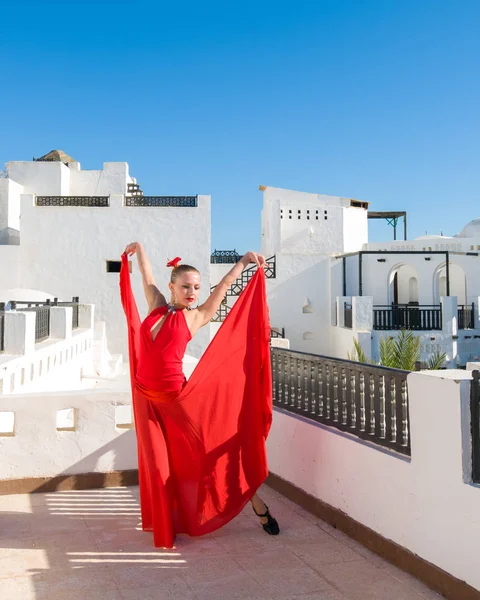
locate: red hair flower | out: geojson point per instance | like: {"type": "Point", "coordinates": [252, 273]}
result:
{"type": "Point", "coordinates": [174, 263]}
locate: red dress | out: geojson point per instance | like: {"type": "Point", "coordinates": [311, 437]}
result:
{"type": "Point", "coordinates": [201, 443]}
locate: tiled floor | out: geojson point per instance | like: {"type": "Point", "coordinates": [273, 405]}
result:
{"type": "Point", "coordinates": [87, 545]}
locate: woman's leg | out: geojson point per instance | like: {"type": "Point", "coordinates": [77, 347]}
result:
{"type": "Point", "coordinates": [259, 507]}
{"type": "Point", "coordinates": [269, 524]}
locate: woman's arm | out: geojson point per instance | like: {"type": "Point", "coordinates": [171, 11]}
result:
{"type": "Point", "coordinates": [154, 297]}
{"type": "Point", "coordinates": [207, 310]}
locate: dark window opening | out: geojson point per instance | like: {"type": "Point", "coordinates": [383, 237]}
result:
{"type": "Point", "coordinates": [113, 266]}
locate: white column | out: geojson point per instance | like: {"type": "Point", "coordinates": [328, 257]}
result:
{"type": "Point", "coordinates": [362, 313]}
{"type": "Point", "coordinates": [450, 325]}
{"type": "Point", "coordinates": [86, 313]}
{"type": "Point", "coordinates": [61, 322]}
{"type": "Point", "coordinates": [19, 332]}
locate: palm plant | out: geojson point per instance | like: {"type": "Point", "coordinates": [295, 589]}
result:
{"type": "Point", "coordinates": [400, 353]}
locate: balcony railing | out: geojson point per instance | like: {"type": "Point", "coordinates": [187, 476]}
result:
{"type": "Point", "coordinates": [465, 316]}
{"type": "Point", "coordinates": [162, 201]}
{"type": "Point", "coordinates": [475, 420]}
{"type": "Point", "coordinates": [347, 315]}
{"type": "Point", "coordinates": [367, 401]}
{"type": "Point", "coordinates": [42, 316]}
{"type": "Point", "coordinates": [89, 201]}
{"type": "Point", "coordinates": [2, 330]}
{"type": "Point", "coordinates": [407, 316]}
{"type": "Point", "coordinates": [274, 333]}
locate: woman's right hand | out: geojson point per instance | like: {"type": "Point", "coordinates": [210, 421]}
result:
{"type": "Point", "coordinates": [131, 248]}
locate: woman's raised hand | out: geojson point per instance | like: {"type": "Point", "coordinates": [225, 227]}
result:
{"type": "Point", "coordinates": [253, 257]}
{"type": "Point", "coordinates": [131, 249]}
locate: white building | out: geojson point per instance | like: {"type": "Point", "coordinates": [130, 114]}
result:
{"type": "Point", "coordinates": [332, 286]}
{"type": "Point", "coordinates": [63, 229]}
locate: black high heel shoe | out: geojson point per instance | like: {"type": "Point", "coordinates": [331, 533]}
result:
{"type": "Point", "coordinates": [271, 526]}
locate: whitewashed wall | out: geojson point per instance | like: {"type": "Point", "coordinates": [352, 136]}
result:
{"type": "Point", "coordinates": [418, 503]}
{"type": "Point", "coordinates": [9, 204]}
{"type": "Point", "coordinates": [9, 267]}
{"type": "Point", "coordinates": [299, 301]}
{"type": "Point", "coordinates": [41, 178]}
{"type": "Point", "coordinates": [95, 444]}
{"type": "Point", "coordinates": [67, 433]}
{"type": "Point", "coordinates": [310, 223]}
{"type": "Point", "coordinates": [65, 249]}
{"type": "Point", "coordinates": [355, 229]}
{"type": "Point", "coordinates": [112, 179]}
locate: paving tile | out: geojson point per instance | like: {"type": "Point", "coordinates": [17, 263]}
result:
{"type": "Point", "coordinates": [199, 547]}
{"type": "Point", "coordinates": [300, 535]}
{"type": "Point", "coordinates": [236, 587]}
{"type": "Point", "coordinates": [411, 582]}
{"type": "Point", "coordinates": [67, 582]}
{"type": "Point", "coordinates": [18, 588]}
{"type": "Point", "coordinates": [361, 580]}
{"type": "Point", "coordinates": [326, 594]}
{"type": "Point", "coordinates": [137, 571]}
{"type": "Point", "coordinates": [239, 543]}
{"type": "Point", "coordinates": [283, 583]}
{"type": "Point", "coordinates": [211, 569]}
{"type": "Point", "coordinates": [328, 552]}
{"type": "Point", "coordinates": [169, 590]}
{"type": "Point", "coordinates": [17, 562]}
{"type": "Point", "coordinates": [279, 559]}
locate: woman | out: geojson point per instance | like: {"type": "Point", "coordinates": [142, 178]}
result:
{"type": "Point", "coordinates": [201, 443]}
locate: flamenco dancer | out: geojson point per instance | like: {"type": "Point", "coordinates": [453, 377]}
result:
{"type": "Point", "coordinates": [201, 443]}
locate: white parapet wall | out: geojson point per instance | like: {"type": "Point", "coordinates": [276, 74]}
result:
{"type": "Point", "coordinates": [66, 433]}
{"type": "Point", "coordinates": [56, 434]}
{"type": "Point", "coordinates": [427, 504]}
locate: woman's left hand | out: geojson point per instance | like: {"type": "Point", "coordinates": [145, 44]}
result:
{"type": "Point", "coordinates": [253, 257]}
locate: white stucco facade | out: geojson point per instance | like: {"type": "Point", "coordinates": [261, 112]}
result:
{"type": "Point", "coordinates": [64, 249]}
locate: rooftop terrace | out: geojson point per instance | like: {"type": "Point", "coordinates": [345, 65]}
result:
{"type": "Point", "coordinates": [87, 544]}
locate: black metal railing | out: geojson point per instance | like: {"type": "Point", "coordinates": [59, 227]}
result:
{"type": "Point", "coordinates": [347, 315]}
{"type": "Point", "coordinates": [2, 327]}
{"type": "Point", "coordinates": [406, 316]}
{"type": "Point", "coordinates": [42, 313]}
{"type": "Point", "coordinates": [221, 314]}
{"type": "Point", "coordinates": [42, 319]}
{"type": "Point", "coordinates": [367, 401]}
{"type": "Point", "coordinates": [162, 201]}
{"type": "Point", "coordinates": [95, 201]}
{"type": "Point", "coordinates": [75, 304]}
{"type": "Point", "coordinates": [465, 316]}
{"type": "Point", "coordinates": [224, 257]}
{"type": "Point", "coordinates": [274, 333]}
{"type": "Point", "coordinates": [239, 284]}
{"type": "Point", "coordinates": [475, 425]}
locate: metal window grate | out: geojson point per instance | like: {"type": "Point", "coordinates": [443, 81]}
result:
{"type": "Point", "coordinates": [162, 201]}
{"type": "Point", "coordinates": [224, 257]}
{"type": "Point", "coordinates": [367, 401]}
{"type": "Point", "coordinates": [88, 201]}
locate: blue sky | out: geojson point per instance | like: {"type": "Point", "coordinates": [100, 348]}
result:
{"type": "Point", "coordinates": [375, 99]}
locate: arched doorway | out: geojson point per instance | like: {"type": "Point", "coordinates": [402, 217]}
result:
{"type": "Point", "coordinates": [458, 283]}
{"type": "Point", "coordinates": [403, 285]}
